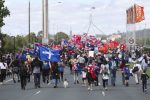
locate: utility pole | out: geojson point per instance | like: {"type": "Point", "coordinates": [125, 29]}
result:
{"type": "Point", "coordinates": [45, 21]}
{"type": "Point", "coordinates": [29, 26]}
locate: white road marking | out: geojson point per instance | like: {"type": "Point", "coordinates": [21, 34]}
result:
{"type": "Point", "coordinates": [103, 93]}
{"type": "Point", "coordinates": [8, 80]}
{"type": "Point", "coordinates": [37, 93]}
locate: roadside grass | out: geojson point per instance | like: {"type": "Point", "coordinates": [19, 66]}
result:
{"type": "Point", "coordinates": [148, 72]}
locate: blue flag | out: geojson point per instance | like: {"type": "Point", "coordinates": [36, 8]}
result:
{"type": "Point", "coordinates": [47, 54]}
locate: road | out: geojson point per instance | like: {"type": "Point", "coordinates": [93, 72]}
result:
{"type": "Point", "coordinates": [12, 91]}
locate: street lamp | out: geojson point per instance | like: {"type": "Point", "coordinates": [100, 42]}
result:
{"type": "Point", "coordinates": [14, 38]}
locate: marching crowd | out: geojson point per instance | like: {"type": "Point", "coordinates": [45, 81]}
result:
{"type": "Point", "coordinates": [91, 69]}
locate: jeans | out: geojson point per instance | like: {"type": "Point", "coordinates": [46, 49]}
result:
{"type": "Point", "coordinates": [2, 75]}
{"type": "Point", "coordinates": [123, 78]}
{"type": "Point", "coordinates": [76, 77]}
{"type": "Point", "coordinates": [62, 76]}
{"type": "Point", "coordinates": [113, 77]}
{"type": "Point", "coordinates": [37, 77]}
{"type": "Point", "coordinates": [23, 80]}
{"type": "Point", "coordinates": [55, 78]}
{"type": "Point", "coordinates": [144, 85]}
{"type": "Point", "coordinates": [105, 83]}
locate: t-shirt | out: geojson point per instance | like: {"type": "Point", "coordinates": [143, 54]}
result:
{"type": "Point", "coordinates": [36, 70]}
{"type": "Point", "coordinates": [3, 65]}
{"type": "Point", "coordinates": [83, 74]}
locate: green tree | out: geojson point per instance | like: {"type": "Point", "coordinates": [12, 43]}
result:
{"type": "Point", "coordinates": [59, 36]}
{"type": "Point", "coordinates": [4, 12]}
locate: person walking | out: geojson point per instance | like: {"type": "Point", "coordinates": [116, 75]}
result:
{"type": "Point", "coordinates": [61, 70]}
{"type": "Point", "coordinates": [55, 72]}
{"type": "Point", "coordinates": [105, 74]}
{"type": "Point", "coordinates": [126, 72]}
{"type": "Point", "coordinates": [15, 70]}
{"type": "Point", "coordinates": [122, 66]}
{"type": "Point", "coordinates": [37, 68]}
{"type": "Point", "coordinates": [76, 71]}
{"type": "Point", "coordinates": [144, 78]}
{"type": "Point", "coordinates": [113, 70]}
{"type": "Point", "coordinates": [89, 77]}
{"type": "Point", "coordinates": [45, 71]}
{"type": "Point", "coordinates": [3, 68]}
{"type": "Point", "coordinates": [144, 63]}
{"type": "Point", "coordinates": [23, 71]}
{"type": "Point", "coordinates": [137, 69]}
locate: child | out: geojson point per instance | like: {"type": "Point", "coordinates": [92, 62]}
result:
{"type": "Point", "coordinates": [144, 78]}
{"type": "Point", "coordinates": [126, 75]}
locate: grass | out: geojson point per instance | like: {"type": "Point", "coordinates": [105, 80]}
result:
{"type": "Point", "coordinates": [148, 72]}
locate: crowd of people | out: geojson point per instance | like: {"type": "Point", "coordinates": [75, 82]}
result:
{"type": "Point", "coordinates": [82, 66]}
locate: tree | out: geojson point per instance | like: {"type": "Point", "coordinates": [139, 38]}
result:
{"type": "Point", "coordinates": [4, 12]}
{"type": "Point", "coordinates": [59, 36]}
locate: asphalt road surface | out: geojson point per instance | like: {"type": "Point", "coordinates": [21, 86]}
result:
{"type": "Point", "coordinates": [12, 91]}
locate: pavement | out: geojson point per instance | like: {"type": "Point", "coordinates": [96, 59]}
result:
{"type": "Point", "coordinates": [12, 91]}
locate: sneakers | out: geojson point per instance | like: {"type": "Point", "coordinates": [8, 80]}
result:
{"type": "Point", "coordinates": [145, 90]}
{"type": "Point", "coordinates": [77, 82]}
{"type": "Point", "coordinates": [55, 86]}
{"type": "Point", "coordinates": [14, 81]}
{"type": "Point", "coordinates": [39, 86]}
{"type": "Point", "coordinates": [90, 89]}
{"type": "Point", "coordinates": [99, 84]}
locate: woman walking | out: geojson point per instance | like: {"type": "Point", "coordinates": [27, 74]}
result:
{"type": "Point", "coordinates": [105, 74]}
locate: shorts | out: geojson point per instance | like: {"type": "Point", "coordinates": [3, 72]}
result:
{"type": "Point", "coordinates": [83, 79]}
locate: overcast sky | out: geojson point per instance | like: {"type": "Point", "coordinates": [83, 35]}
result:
{"type": "Point", "coordinates": [108, 15]}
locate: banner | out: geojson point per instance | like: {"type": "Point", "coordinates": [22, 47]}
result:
{"type": "Point", "coordinates": [135, 14]}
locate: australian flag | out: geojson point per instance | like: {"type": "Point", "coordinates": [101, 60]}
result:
{"type": "Point", "coordinates": [46, 54]}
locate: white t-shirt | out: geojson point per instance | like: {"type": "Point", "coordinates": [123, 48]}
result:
{"type": "Point", "coordinates": [3, 65]}
{"type": "Point", "coordinates": [83, 74]}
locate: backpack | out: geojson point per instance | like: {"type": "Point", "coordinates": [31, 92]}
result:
{"type": "Point", "coordinates": [135, 69]}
